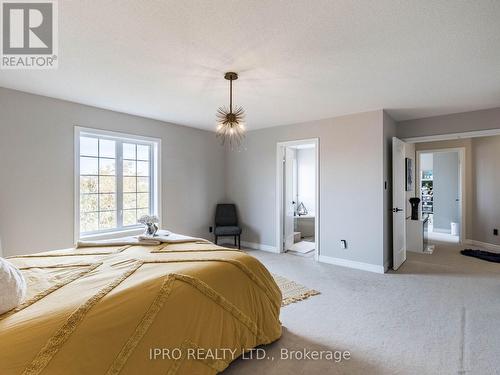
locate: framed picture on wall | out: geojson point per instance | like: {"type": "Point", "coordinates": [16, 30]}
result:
{"type": "Point", "coordinates": [409, 174]}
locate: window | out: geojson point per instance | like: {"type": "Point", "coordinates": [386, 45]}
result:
{"type": "Point", "coordinates": [116, 181]}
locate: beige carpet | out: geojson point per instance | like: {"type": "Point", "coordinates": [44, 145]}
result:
{"type": "Point", "coordinates": [293, 292]}
{"type": "Point", "coordinates": [438, 314]}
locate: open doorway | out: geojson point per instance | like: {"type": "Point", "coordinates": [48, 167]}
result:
{"type": "Point", "coordinates": [440, 188]}
{"type": "Point", "coordinates": [297, 177]}
{"type": "Point", "coordinates": [435, 193]}
{"type": "Point", "coordinates": [478, 202]}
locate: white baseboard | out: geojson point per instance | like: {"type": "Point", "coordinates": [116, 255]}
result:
{"type": "Point", "coordinates": [485, 245]}
{"type": "Point", "coordinates": [352, 264]}
{"type": "Point", "coordinates": [251, 245]}
{"type": "Point", "coordinates": [322, 258]}
{"type": "Point", "coordinates": [259, 246]}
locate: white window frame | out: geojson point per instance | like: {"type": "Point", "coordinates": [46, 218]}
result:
{"type": "Point", "coordinates": [155, 182]}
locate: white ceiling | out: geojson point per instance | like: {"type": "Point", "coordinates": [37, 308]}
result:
{"type": "Point", "coordinates": [298, 60]}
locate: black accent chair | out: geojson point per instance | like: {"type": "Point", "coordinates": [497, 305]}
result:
{"type": "Point", "coordinates": [226, 223]}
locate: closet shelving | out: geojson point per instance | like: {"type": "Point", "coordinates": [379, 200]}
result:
{"type": "Point", "coordinates": [426, 189]}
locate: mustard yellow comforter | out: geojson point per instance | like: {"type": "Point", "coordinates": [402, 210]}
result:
{"type": "Point", "coordinates": [170, 309]}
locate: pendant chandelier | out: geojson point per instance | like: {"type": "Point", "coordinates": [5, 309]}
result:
{"type": "Point", "coordinates": [230, 124]}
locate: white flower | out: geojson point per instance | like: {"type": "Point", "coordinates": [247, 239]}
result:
{"type": "Point", "coordinates": [148, 220]}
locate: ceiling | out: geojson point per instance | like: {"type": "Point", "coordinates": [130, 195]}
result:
{"type": "Point", "coordinates": [298, 60]}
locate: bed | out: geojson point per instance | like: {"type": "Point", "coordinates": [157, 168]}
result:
{"type": "Point", "coordinates": [178, 308]}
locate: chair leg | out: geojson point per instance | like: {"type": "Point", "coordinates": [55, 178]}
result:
{"type": "Point", "coordinates": [234, 240]}
{"type": "Point", "coordinates": [239, 241]}
{"type": "Point", "coordinates": [215, 240]}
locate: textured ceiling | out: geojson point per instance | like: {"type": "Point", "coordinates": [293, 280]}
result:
{"type": "Point", "coordinates": [298, 60]}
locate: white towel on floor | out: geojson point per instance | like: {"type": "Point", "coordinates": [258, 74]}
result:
{"type": "Point", "coordinates": [12, 286]}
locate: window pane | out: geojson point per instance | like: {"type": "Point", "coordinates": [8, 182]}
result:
{"type": "Point", "coordinates": [88, 146]}
{"type": "Point", "coordinates": [142, 200]}
{"type": "Point", "coordinates": [107, 167]}
{"type": "Point", "coordinates": [143, 168]}
{"type": "Point", "coordinates": [88, 165]}
{"type": "Point", "coordinates": [107, 202]}
{"type": "Point", "coordinates": [129, 200]}
{"type": "Point", "coordinates": [128, 168]}
{"type": "Point", "coordinates": [128, 151]}
{"type": "Point", "coordinates": [99, 182]}
{"type": "Point", "coordinates": [142, 212]}
{"type": "Point", "coordinates": [106, 148]}
{"type": "Point", "coordinates": [88, 222]}
{"type": "Point", "coordinates": [143, 152]}
{"type": "Point", "coordinates": [107, 220]}
{"type": "Point", "coordinates": [143, 184]}
{"type": "Point", "coordinates": [129, 217]}
{"type": "Point", "coordinates": [88, 203]}
{"type": "Point", "coordinates": [88, 184]}
{"type": "Point", "coordinates": [107, 184]}
{"type": "Point", "coordinates": [129, 184]}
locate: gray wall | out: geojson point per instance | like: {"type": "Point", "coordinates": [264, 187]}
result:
{"type": "Point", "coordinates": [426, 162]}
{"type": "Point", "coordinates": [410, 153]}
{"type": "Point", "coordinates": [351, 184]}
{"type": "Point", "coordinates": [36, 170]}
{"type": "Point", "coordinates": [486, 191]}
{"type": "Point", "coordinates": [482, 178]}
{"type": "Point", "coordinates": [455, 123]}
{"type": "Point", "coordinates": [479, 222]}
{"type": "Point", "coordinates": [445, 187]}
{"type": "Point", "coordinates": [306, 178]}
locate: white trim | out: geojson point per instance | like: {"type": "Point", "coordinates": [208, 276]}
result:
{"type": "Point", "coordinates": [280, 147]}
{"type": "Point", "coordinates": [462, 187]}
{"type": "Point", "coordinates": [155, 180]}
{"type": "Point", "coordinates": [251, 245]}
{"type": "Point", "coordinates": [117, 135]}
{"type": "Point", "coordinates": [157, 186]}
{"type": "Point", "coordinates": [485, 245]}
{"type": "Point", "coordinates": [259, 246]}
{"type": "Point", "coordinates": [76, 185]}
{"type": "Point", "coordinates": [353, 264]}
{"type": "Point", "coordinates": [447, 137]}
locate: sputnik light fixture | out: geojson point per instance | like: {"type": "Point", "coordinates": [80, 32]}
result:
{"type": "Point", "coordinates": [231, 125]}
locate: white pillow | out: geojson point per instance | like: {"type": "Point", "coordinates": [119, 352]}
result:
{"type": "Point", "coordinates": [12, 286]}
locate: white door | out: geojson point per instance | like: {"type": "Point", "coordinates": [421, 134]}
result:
{"type": "Point", "coordinates": [398, 202]}
{"type": "Point", "coordinates": [288, 201]}
{"type": "Point", "coordinates": [459, 197]}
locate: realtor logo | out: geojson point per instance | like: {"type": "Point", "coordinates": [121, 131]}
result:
{"type": "Point", "coordinates": [29, 34]}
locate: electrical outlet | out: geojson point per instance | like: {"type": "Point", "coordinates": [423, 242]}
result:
{"type": "Point", "coordinates": [495, 232]}
{"type": "Point", "coordinates": [210, 229]}
{"type": "Point", "coordinates": [343, 244]}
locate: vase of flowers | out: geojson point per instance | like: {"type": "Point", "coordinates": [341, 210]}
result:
{"type": "Point", "coordinates": [150, 223]}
